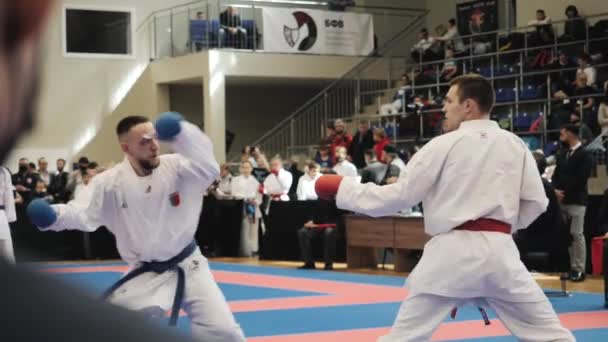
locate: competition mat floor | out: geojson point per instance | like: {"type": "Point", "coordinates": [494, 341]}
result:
{"type": "Point", "coordinates": [275, 304]}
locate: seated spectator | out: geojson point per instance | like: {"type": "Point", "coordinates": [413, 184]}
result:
{"type": "Point", "coordinates": [224, 186]}
{"type": "Point", "coordinates": [585, 67]}
{"type": "Point", "coordinates": [343, 167]}
{"type": "Point", "coordinates": [396, 166]}
{"type": "Point", "coordinates": [341, 138]}
{"type": "Point", "coordinates": [381, 141]}
{"type": "Point", "coordinates": [400, 98]}
{"type": "Point", "coordinates": [306, 184]}
{"type": "Point", "coordinates": [330, 133]}
{"type": "Point", "coordinates": [602, 114]}
{"type": "Point", "coordinates": [549, 231]}
{"type": "Point", "coordinates": [374, 171]}
{"type": "Point", "coordinates": [587, 103]}
{"type": "Point", "coordinates": [575, 27]}
{"type": "Point", "coordinates": [87, 176]}
{"type": "Point", "coordinates": [362, 141]}
{"type": "Point", "coordinates": [427, 48]}
{"type": "Point", "coordinates": [544, 30]}
{"type": "Point", "coordinates": [564, 77]}
{"type": "Point", "coordinates": [41, 193]}
{"type": "Point", "coordinates": [43, 171]}
{"type": "Point", "coordinates": [323, 222]}
{"type": "Point", "coordinates": [230, 23]}
{"type": "Point", "coordinates": [278, 182]}
{"type": "Point", "coordinates": [450, 69]}
{"type": "Point", "coordinates": [585, 133]}
{"type": "Point", "coordinates": [25, 180]}
{"type": "Point", "coordinates": [246, 187]}
{"type": "Point", "coordinates": [451, 37]}
{"type": "Point", "coordinates": [59, 182]}
{"type": "Point", "coordinates": [324, 159]}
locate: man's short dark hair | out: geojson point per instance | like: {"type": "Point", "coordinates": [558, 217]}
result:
{"type": "Point", "coordinates": [127, 123]}
{"type": "Point", "coordinates": [476, 88]}
{"type": "Point", "coordinates": [93, 165]}
{"type": "Point", "coordinates": [61, 159]}
{"type": "Point", "coordinates": [32, 165]}
{"type": "Point", "coordinates": [83, 160]}
{"type": "Point", "coordinates": [574, 129]}
{"type": "Point", "coordinates": [424, 30]}
{"type": "Point", "coordinates": [540, 11]}
{"type": "Point", "coordinates": [452, 21]}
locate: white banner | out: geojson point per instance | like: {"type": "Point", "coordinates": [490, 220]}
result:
{"type": "Point", "coordinates": [317, 32]}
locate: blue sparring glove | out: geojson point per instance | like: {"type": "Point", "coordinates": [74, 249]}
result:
{"type": "Point", "coordinates": [168, 125]}
{"type": "Point", "coordinates": [41, 213]}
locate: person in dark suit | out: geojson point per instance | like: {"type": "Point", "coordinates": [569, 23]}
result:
{"type": "Point", "coordinates": [59, 183]}
{"type": "Point", "coordinates": [362, 141]}
{"type": "Point", "coordinates": [374, 171]}
{"type": "Point", "coordinates": [549, 232]}
{"type": "Point", "coordinates": [570, 180]}
{"type": "Point", "coordinates": [323, 222]}
{"type": "Point", "coordinates": [230, 24]}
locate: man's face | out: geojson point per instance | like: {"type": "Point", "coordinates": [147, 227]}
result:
{"type": "Point", "coordinates": [329, 131]}
{"type": "Point", "coordinates": [23, 164]}
{"type": "Point", "coordinates": [312, 172]}
{"type": "Point", "coordinates": [341, 154]}
{"type": "Point", "coordinates": [581, 80]}
{"type": "Point", "coordinates": [230, 10]}
{"type": "Point", "coordinates": [276, 165]}
{"type": "Point", "coordinates": [564, 136]}
{"type": "Point", "coordinates": [563, 59]}
{"type": "Point", "coordinates": [455, 112]}
{"type": "Point", "coordinates": [540, 16]}
{"type": "Point", "coordinates": [140, 144]}
{"type": "Point", "coordinates": [40, 187]}
{"type": "Point", "coordinates": [363, 127]}
{"type": "Point", "coordinates": [339, 128]}
{"type": "Point", "coordinates": [424, 35]}
{"type": "Point", "coordinates": [246, 169]}
{"type": "Point", "coordinates": [224, 172]}
{"type": "Point", "coordinates": [323, 152]}
{"type": "Point", "coordinates": [574, 118]}
{"type": "Point", "coordinates": [43, 165]}
{"type": "Point", "coordinates": [368, 159]}
{"type": "Point", "coordinates": [60, 165]}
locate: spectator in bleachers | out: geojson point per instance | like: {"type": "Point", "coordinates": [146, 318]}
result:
{"type": "Point", "coordinates": [87, 176]}
{"type": "Point", "coordinates": [323, 222]}
{"type": "Point", "coordinates": [584, 66]}
{"type": "Point", "coordinates": [324, 159]}
{"type": "Point", "coordinates": [403, 94]}
{"type": "Point", "coordinates": [586, 103]}
{"type": "Point", "coordinates": [245, 187]}
{"type": "Point", "coordinates": [306, 184]}
{"type": "Point", "coordinates": [544, 30]}
{"type": "Point", "coordinates": [362, 141]}
{"type": "Point", "coordinates": [43, 171]}
{"type": "Point", "coordinates": [396, 166]}
{"type": "Point", "coordinates": [224, 186]}
{"type": "Point", "coordinates": [381, 141]}
{"type": "Point", "coordinates": [343, 167]}
{"type": "Point", "coordinates": [200, 16]}
{"type": "Point", "coordinates": [602, 114]}
{"type": "Point", "coordinates": [32, 169]}
{"type": "Point", "coordinates": [563, 78]}
{"type": "Point", "coordinates": [585, 133]}
{"type": "Point", "coordinates": [341, 137]}
{"type": "Point", "coordinates": [25, 180]}
{"type": "Point", "coordinates": [427, 48]}
{"type": "Point", "coordinates": [572, 171]}
{"type": "Point", "coordinates": [450, 69]}
{"type": "Point", "coordinates": [59, 183]}
{"type": "Point", "coordinates": [574, 29]}
{"type": "Point", "coordinates": [330, 132]}
{"type": "Point", "coordinates": [76, 175]}
{"type": "Point", "coordinates": [374, 171]}
{"type": "Point", "coordinates": [278, 182]}
{"type": "Point", "coordinates": [230, 23]}
{"type": "Point", "coordinates": [451, 38]}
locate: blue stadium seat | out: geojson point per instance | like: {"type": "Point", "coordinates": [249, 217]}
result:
{"type": "Point", "coordinates": [529, 92]}
{"type": "Point", "coordinates": [522, 122]}
{"type": "Point", "coordinates": [505, 95]}
{"type": "Point", "coordinates": [551, 147]}
{"type": "Point", "coordinates": [204, 32]}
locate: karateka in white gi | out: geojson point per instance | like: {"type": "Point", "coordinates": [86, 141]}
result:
{"type": "Point", "coordinates": [246, 187]}
{"type": "Point", "coordinates": [7, 215]}
{"type": "Point", "coordinates": [278, 182]}
{"type": "Point", "coordinates": [478, 184]}
{"type": "Point", "coordinates": [151, 203]}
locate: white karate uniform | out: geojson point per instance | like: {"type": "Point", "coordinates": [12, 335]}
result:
{"type": "Point", "coordinates": [397, 105]}
{"type": "Point", "coordinates": [8, 214]}
{"type": "Point", "coordinates": [153, 219]}
{"type": "Point", "coordinates": [306, 188]}
{"type": "Point", "coordinates": [477, 171]}
{"type": "Point", "coordinates": [225, 185]}
{"type": "Point", "coordinates": [246, 188]}
{"type": "Point", "coordinates": [346, 169]}
{"type": "Point", "coordinates": [278, 187]}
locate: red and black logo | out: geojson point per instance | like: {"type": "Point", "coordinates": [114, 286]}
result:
{"type": "Point", "coordinates": [292, 35]}
{"type": "Point", "coordinates": [175, 199]}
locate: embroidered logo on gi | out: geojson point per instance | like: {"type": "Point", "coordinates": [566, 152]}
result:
{"type": "Point", "coordinates": [174, 198]}
{"type": "Point", "coordinates": [149, 189]}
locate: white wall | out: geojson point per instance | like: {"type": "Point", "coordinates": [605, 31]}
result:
{"type": "Point", "coordinates": [77, 93]}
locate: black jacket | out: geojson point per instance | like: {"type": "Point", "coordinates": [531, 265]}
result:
{"type": "Point", "coordinates": [358, 147]}
{"type": "Point", "coordinates": [571, 175]}
{"type": "Point", "coordinates": [58, 186]}
{"type": "Point", "coordinates": [324, 212]}
{"type": "Point", "coordinates": [227, 20]}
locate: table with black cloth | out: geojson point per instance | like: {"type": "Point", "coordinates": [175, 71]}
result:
{"type": "Point", "coordinates": [219, 227]}
{"type": "Point", "coordinates": [280, 240]}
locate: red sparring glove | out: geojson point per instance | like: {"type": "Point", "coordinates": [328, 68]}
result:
{"type": "Point", "coordinates": [275, 172]}
{"type": "Point", "coordinates": [327, 186]}
{"type": "Point", "coordinates": [261, 189]}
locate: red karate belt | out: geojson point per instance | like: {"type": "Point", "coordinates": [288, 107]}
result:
{"type": "Point", "coordinates": [483, 225]}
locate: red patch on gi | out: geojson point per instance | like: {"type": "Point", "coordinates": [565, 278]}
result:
{"type": "Point", "coordinates": [175, 199]}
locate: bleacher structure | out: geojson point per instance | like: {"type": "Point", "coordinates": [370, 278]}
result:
{"type": "Point", "coordinates": [524, 99]}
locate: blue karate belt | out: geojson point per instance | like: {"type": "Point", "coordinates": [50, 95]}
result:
{"type": "Point", "coordinates": [161, 267]}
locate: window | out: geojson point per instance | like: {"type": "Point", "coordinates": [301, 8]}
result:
{"type": "Point", "coordinates": [98, 32]}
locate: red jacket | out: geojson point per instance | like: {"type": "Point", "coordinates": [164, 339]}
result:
{"type": "Point", "coordinates": [343, 140]}
{"type": "Point", "coordinates": [379, 148]}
